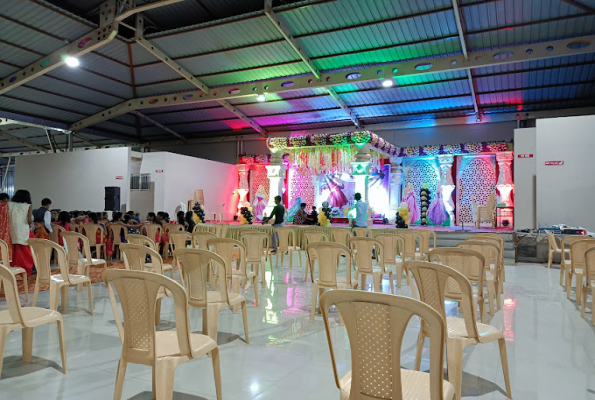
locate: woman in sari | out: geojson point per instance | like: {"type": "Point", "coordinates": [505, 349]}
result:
{"type": "Point", "coordinates": [20, 219]}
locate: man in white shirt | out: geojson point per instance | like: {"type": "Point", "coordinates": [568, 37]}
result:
{"type": "Point", "coordinates": [361, 213]}
{"type": "Point", "coordinates": [44, 213]}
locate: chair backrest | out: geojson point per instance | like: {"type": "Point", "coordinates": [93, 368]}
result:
{"type": "Point", "coordinates": [329, 255]}
{"type": "Point", "coordinates": [590, 267]}
{"type": "Point", "coordinates": [313, 237]}
{"type": "Point", "coordinates": [11, 292]}
{"type": "Point", "coordinates": [90, 231]}
{"type": "Point", "coordinates": [410, 243]}
{"type": "Point", "coordinates": [116, 230]}
{"type": "Point", "coordinates": [578, 250]}
{"type": "Point", "coordinates": [142, 240]}
{"type": "Point", "coordinates": [138, 291]}
{"type": "Point", "coordinates": [362, 232]}
{"type": "Point", "coordinates": [363, 256]}
{"type": "Point", "coordinates": [174, 228]}
{"type": "Point", "coordinates": [390, 243]}
{"type": "Point", "coordinates": [41, 249]}
{"type": "Point", "coordinates": [135, 257]}
{"type": "Point", "coordinates": [468, 262]}
{"type": "Point", "coordinates": [196, 263]}
{"type": "Point", "coordinates": [493, 236]}
{"type": "Point", "coordinates": [427, 236]}
{"type": "Point", "coordinates": [200, 239]}
{"type": "Point", "coordinates": [569, 240]}
{"type": "Point", "coordinates": [4, 253]}
{"type": "Point", "coordinates": [72, 240]}
{"type": "Point", "coordinates": [490, 251]}
{"type": "Point", "coordinates": [287, 238]}
{"type": "Point", "coordinates": [375, 324]}
{"type": "Point", "coordinates": [341, 236]}
{"type": "Point", "coordinates": [56, 229]}
{"type": "Point", "coordinates": [255, 242]}
{"type": "Point", "coordinates": [551, 240]}
{"type": "Point", "coordinates": [432, 281]}
{"type": "Point", "coordinates": [152, 231]}
{"type": "Point", "coordinates": [221, 230]}
{"type": "Point", "coordinates": [179, 238]}
{"type": "Point", "coordinates": [225, 248]}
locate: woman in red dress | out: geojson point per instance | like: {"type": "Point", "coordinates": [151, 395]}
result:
{"type": "Point", "coordinates": [20, 219]}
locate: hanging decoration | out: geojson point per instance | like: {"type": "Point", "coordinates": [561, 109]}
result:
{"type": "Point", "coordinates": [314, 160]}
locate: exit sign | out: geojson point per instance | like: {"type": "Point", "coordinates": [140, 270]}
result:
{"type": "Point", "coordinates": [554, 163]}
{"type": "Point", "coordinates": [525, 156]}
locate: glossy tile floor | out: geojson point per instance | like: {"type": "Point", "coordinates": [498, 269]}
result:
{"type": "Point", "coordinates": [551, 349]}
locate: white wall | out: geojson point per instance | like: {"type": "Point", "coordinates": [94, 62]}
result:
{"type": "Point", "coordinates": [565, 193]}
{"type": "Point", "coordinates": [74, 181]}
{"type": "Point", "coordinates": [182, 175]}
{"type": "Point", "coordinates": [524, 178]}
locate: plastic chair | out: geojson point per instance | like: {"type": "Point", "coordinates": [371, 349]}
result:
{"type": "Point", "coordinates": [485, 213]}
{"type": "Point", "coordinates": [362, 232]}
{"type": "Point", "coordinates": [425, 243]}
{"type": "Point", "coordinates": [14, 270]}
{"type": "Point", "coordinates": [90, 231]}
{"type": "Point", "coordinates": [375, 324]}
{"type": "Point", "coordinates": [362, 255]}
{"type": "Point", "coordinates": [218, 216]}
{"type": "Point", "coordinates": [169, 229]}
{"type": "Point", "coordinates": [179, 240]}
{"type": "Point", "coordinates": [83, 265]}
{"type": "Point", "coordinates": [135, 257]}
{"type": "Point", "coordinates": [152, 231]}
{"type": "Point", "coordinates": [490, 253]}
{"type": "Point", "coordinates": [25, 318]}
{"type": "Point", "coordinates": [565, 264]}
{"type": "Point", "coordinates": [142, 344]}
{"type": "Point", "coordinates": [41, 250]}
{"type": "Point", "coordinates": [287, 244]}
{"type": "Point", "coordinates": [142, 240]}
{"type": "Point", "coordinates": [116, 231]}
{"type": "Point", "coordinates": [221, 230]}
{"type": "Point", "coordinates": [501, 243]}
{"type": "Point", "coordinates": [313, 237]}
{"type": "Point", "coordinates": [341, 236]}
{"type": "Point", "coordinates": [56, 234]}
{"type": "Point", "coordinates": [390, 243]}
{"type": "Point", "coordinates": [589, 284]}
{"type": "Point", "coordinates": [468, 262]}
{"type": "Point", "coordinates": [225, 248]}
{"type": "Point", "coordinates": [554, 249]}
{"type": "Point", "coordinates": [196, 265]}
{"type": "Point", "coordinates": [577, 266]}
{"type": "Point", "coordinates": [433, 282]}
{"type": "Point", "coordinates": [256, 244]}
{"type": "Point", "coordinates": [328, 255]}
{"type": "Point", "coordinates": [199, 240]}
{"type": "Point", "coordinates": [413, 244]}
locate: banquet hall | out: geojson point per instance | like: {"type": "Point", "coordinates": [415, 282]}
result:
{"type": "Point", "coordinates": [297, 199]}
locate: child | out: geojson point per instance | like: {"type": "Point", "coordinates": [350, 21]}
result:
{"type": "Point", "coordinates": [313, 216]}
{"type": "Point", "coordinates": [39, 229]}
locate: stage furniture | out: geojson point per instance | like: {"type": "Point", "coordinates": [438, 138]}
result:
{"type": "Point", "coordinates": [485, 213]}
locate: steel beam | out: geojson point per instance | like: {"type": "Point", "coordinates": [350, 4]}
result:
{"type": "Point", "coordinates": [49, 135]}
{"type": "Point", "coordinates": [158, 124]}
{"type": "Point", "coordinates": [508, 55]}
{"type": "Point", "coordinates": [344, 107]}
{"type": "Point", "coordinates": [243, 117]}
{"type": "Point", "coordinates": [23, 142]}
{"type": "Point", "coordinates": [144, 7]}
{"type": "Point", "coordinates": [113, 146]}
{"type": "Point", "coordinates": [580, 5]}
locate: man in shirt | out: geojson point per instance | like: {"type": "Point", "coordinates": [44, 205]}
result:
{"type": "Point", "coordinates": [361, 213]}
{"type": "Point", "coordinates": [44, 213]}
{"type": "Point", "coordinates": [279, 214]}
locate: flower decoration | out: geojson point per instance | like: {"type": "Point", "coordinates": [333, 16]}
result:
{"type": "Point", "coordinates": [297, 141]}
{"type": "Point", "coordinates": [318, 140]}
{"type": "Point", "coordinates": [261, 159]}
{"type": "Point", "coordinates": [432, 150]}
{"type": "Point", "coordinates": [339, 139]}
{"type": "Point", "coordinates": [361, 137]}
{"type": "Point", "coordinates": [276, 143]}
{"type": "Point", "coordinates": [380, 144]}
{"type": "Point", "coordinates": [495, 147]}
{"type": "Point", "coordinates": [374, 139]}
{"type": "Point", "coordinates": [474, 147]}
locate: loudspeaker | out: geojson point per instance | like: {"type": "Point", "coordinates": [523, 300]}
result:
{"type": "Point", "coordinates": [112, 198]}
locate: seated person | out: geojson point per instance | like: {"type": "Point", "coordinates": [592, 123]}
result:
{"type": "Point", "coordinates": [313, 216]}
{"type": "Point", "coordinates": [39, 229]}
{"type": "Point", "coordinates": [300, 217]}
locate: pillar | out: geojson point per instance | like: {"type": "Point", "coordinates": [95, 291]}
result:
{"type": "Point", "coordinates": [360, 170]}
{"type": "Point", "coordinates": [244, 186]}
{"type": "Point", "coordinates": [505, 183]}
{"type": "Point", "coordinates": [316, 184]}
{"type": "Point", "coordinates": [276, 174]}
{"type": "Point", "coordinates": [396, 182]}
{"type": "Point", "coordinates": [447, 184]}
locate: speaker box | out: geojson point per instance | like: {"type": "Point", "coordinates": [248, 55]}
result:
{"type": "Point", "coordinates": [112, 198]}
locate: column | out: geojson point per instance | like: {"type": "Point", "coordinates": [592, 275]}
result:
{"type": "Point", "coordinates": [505, 183]}
{"type": "Point", "coordinates": [276, 174]}
{"type": "Point", "coordinates": [244, 186]}
{"type": "Point", "coordinates": [396, 182]}
{"type": "Point", "coordinates": [360, 169]}
{"type": "Point", "coordinates": [316, 184]}
{"type": "Point", "coordinates": [447, 184]}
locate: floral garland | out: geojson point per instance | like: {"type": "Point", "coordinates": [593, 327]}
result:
{"type": "Point", "coordinates": [361, 137]}
{"type": "Point", "coordinates": [340, 139]}
{"type": "Point", "coordinates": [277, 143]}
{"type": "Point", "coordinates": [319, 140]}
{"type": "Point", "coordinates": [298, 141]}
{"type": "Point", "coordinates": [313, 160]}
{"type": "Point", "coordinates": [254, 159]}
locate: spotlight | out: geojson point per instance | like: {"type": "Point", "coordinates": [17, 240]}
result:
{"type": "Point", "coordinates": [387, 82]}
{"type": "Point", "coordinates": [261, 98]}
{"type": "Point", "coordinates": [72, 61]}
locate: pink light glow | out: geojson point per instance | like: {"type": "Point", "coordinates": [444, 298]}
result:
{"type": "Point", "coordinates": [509, 307]}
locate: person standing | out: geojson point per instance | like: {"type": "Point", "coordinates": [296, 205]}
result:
{"type": "Point", "coordinates": [361, 213]}
{"type": "Point", "coordinates": [4, 198]}
{"type": "Point", "coordinates": [20, 219]}
{"type": "Point", "coordinates": [44, 213]}
{"type": "Point", "coordinates": [279, 214]}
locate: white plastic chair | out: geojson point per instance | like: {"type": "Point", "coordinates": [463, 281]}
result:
{"type": "Point", "coordinates": [218, 216]}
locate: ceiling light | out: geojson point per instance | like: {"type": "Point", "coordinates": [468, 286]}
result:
{"type": "Point", "coordinates": [261, 97]}
{"type": "Point", "coordinates": [387, 82]}
{"type": "Point", "coordinates": [72, 61]}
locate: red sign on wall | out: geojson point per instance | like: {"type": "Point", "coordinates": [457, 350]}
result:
{"type": "Point", "coordinates": [159, 171]}
{"type": "Point", "coordinates": [525, 156]}
{"type": "Point", "coordinates": [119, 177]}
{"type": "Point", "coordinates": [554, 163]}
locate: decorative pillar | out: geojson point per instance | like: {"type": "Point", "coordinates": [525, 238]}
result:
{"type": "Point", "coordinates": [447, 184]}
{"type": "Point", "coordinates": [505, 183]}
{"type": "Point", "coordinates": [276, 174]}
{"type": "Point", "coordinates": [396, 181]}
{"type": "Point", "coordinates": [316, 184]}
{"type": "Point", "coordinates": [244, 186]}
{"type": "Point", "coordinates": [361, 169]}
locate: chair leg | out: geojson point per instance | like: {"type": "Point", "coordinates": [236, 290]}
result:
{"type": "Point", "coordinates": [454, 358]}
{"type": "Point", "coordinates": [27, 334]}
{"type": "Point", "coordinates": [60, 324]}
{"type": "Point", "coordinates": [212, 321]}
{"type": "Point", "coordinates": [36, 293]}
{"type": "Point", "coordinates": [3, 334]}
{"type": "Point", "coordinates": [363, 281]}
{"type": "Point", "coordinates": [216, 372]}
{"type": "Point", "coordinates": [399, 274]}
{"type": "Point", "coordinates": [164, 379]}
{"type": "Point", "coordinates": [64, 295]}
{"type": "Point", "coordinates": [235, 288]}
{"type": "Point", "coordinates": [158, 312]}
{"type": "Point", "coordinates": [562, 272]}
{"type": "Point", "coordinates": [419, 350]}
{"type": "Point", "coordinates": [314, 297]}
{"type": "Point", "coordinates": [255, 284]}
{"type": "Point", "coordinates": [54, 296]}
{"type": "Point", "coordinates": [309, 266]}
{"type": "Point", "coordinates": [300, 255]}
{"type": "Point", "coordinates": [504, 359]}
{"type": "Point", "coordinates": [392, 283]}
{"type": "Point", "coordinates": [90, 293]}
{"type": "Point", "coordinates": [550, 258]}
{"type": "Point", "coordinates": [122, 364]}
{"type": "Point", "coordinates": [491, 294]}
{"type": "Point", "coordinates": [290, 252]}
{"type": "Point", "coordinates": [568, 283]}
{"type": "Point", "coordinates": [377, 279]}
{"type": "Point", "coordinates": [245, 318]}
{"type": "Point", "coordinates": [579, 288]}
{"type": "Point", "coordinates": [26, 285]}
{"type": "Point", "coordinates": [584, 301]}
